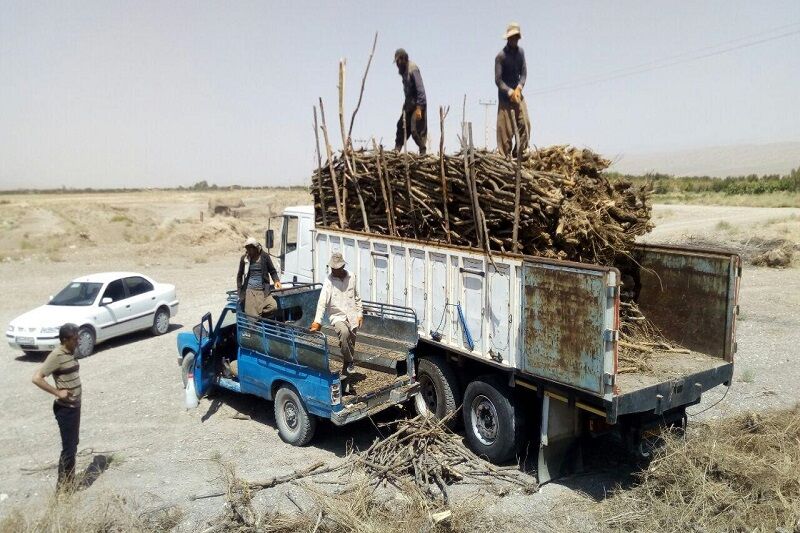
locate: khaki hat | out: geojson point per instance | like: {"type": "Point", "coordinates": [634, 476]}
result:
{"type": "Point", "coordinates": [512, 30]}
{"type": "Point", "coordinates": [337, 261]}
{"type": "Point", "coordinates": [251, 242]}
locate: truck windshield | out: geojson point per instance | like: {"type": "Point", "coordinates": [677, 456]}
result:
{"type": "Point", "coordinates": [77, 293]}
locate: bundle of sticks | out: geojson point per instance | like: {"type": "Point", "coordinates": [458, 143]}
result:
{"type": "Point", "coordinates": [553, 202]}
{"type": "Point", "coordinates": [425, 453]}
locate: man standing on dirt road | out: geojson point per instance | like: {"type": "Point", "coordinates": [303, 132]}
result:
{"type": "Point", "coordinates": [413, 119]}
{"type": "Point", "coordinates": [252, 280]}
{"type": "Point", "coordinates": [63, 366]}
{"type": "Point", "coordinates": [510, 74]}
{"type": "Point", "coordinates": [340, 298]}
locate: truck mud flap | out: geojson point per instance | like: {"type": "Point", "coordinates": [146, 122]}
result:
{"type": "Point", "coordinates": [375, 403]}
{"type": "Point", "coordinates": [559, 449]}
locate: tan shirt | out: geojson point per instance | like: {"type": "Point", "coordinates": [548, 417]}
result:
{"type": "Point", "coordinates": [64, 368]}
{"type": "Point", "coordinates": [340, 298]}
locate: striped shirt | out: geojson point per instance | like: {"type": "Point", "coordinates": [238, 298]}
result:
{"type": "Point", "coordinates": [64, 368]}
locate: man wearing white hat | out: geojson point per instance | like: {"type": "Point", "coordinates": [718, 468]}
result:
{"type": "Point", "coordinates": [510, 74]}
{"type": "Point", "coordinates": [252, 280]}
{"type": "Point", "coordinates": [340, 299]}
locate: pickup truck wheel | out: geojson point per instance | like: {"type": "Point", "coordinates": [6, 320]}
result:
{"type": "Point", "coordinates": [439, 390]}
{"type": "Point", "coordinates": [491, 423]}
{"type": "Point", "coordinates": [187, 367]}
{"type": "Point", "coordinates": [86, 341]}
{"type": "Point", "coordinates": [295, 424]}
{"type": "Point", "coordinates": [160, 321]}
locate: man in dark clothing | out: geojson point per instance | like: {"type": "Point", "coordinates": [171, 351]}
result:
{"type": "Point", "coordinates": [510, 74]}
{"type": "Point", "coordinates": [252, 280]}
{"type": "Point", "coordinates": [413, 119]}
{"type": "Point", "coordinates": [63, 366]}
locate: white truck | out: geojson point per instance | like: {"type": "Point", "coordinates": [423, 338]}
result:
{"type": "Point", "coordinates": [529, 346]}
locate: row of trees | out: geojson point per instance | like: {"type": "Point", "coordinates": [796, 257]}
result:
{"type": "Point", "coordinates": [752, 184]}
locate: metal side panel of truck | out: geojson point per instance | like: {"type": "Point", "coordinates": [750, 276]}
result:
{"type": "Point", "coordinates": [552, 326]}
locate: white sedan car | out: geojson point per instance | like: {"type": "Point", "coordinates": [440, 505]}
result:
{"type": "Point", "coordinates": [103, 306]}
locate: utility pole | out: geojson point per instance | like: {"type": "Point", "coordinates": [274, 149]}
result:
{"type": "Point", "coordinates": [486, 105]}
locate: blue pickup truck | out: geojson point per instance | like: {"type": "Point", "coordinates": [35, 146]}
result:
{"type": "Point", "coordinates": [282, 361]}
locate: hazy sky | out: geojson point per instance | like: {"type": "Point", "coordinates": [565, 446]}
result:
{"type": "Point", "coordinates": [169, 93]}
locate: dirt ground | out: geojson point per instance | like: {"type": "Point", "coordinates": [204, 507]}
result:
{"type": "Point", "coordinates": [133, 409]}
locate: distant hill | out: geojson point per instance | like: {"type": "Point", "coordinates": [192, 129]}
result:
{"type": "Point", "coordinates": [717, 161]}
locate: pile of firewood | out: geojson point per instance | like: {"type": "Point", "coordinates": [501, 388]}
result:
{"type": "Point", "coordinates": [555, 201]}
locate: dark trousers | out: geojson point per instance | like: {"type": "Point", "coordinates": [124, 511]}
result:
{"type": "Point", "coordinates": [69, 425]}
{"type": "Point", "coordinates": [417, 129]}
{"type": "Point", "coordinates": [506, 113]}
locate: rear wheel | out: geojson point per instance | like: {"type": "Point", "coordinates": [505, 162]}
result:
{"type": "Point", "coordinates": [295, 424]}
{"type": "Point", "coordinates": [492, 425]}
{"type": "Point", "coordinates": [86, 340]}
{"type": "Point", "coordinates": [439, 391]}
{"type": "Point", "coordinates": [160, 321]}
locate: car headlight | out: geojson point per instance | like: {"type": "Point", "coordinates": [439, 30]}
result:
{"type": "Point", "coordinates": [45, 331]}
{"type": "Point", "coordinates": [10, 329]}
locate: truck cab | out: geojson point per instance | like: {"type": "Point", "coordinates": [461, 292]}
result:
{"type": "Point", "coordinates": [282, 361]}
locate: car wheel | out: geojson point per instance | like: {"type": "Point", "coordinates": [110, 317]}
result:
{"type": "Point", "coordinates": [439, 390]}
{"type": "Point", "coordinates": [187, 367]}
{"type": "Point", "coordinates": [295, 425]}
{"type": "Point", "coordinates": [492, 425]}
{"type": "Point", "coordinates": [161, 321]}
{"type": "Point", "coordinates": [86, 340]}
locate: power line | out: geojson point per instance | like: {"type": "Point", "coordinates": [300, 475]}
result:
{"type": "Point", "coordinates": [677, 59]}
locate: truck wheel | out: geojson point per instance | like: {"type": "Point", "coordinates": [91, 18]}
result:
{"type": "Point", "coordinates": [295, 425]}
{"type": "Point", "coordinates": [187, 367]}
{"type": "Point", "coordinates": [491, 423]}
{"type": "Point", "coordinates": [86, 341]}
{"type": "Point", "coordinates": [160, 321]}
{"type": "Point", "coordinates": [439, 390]}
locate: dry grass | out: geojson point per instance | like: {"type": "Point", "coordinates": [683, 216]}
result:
{"type": "Point", "coordinates": [776, 199]}
{"type": "Point", "coordinates": [75, 513]}
{"type": "Point", "coordinates": [740, 474]}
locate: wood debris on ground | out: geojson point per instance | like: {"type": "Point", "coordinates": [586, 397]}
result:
{"type": "Point", "coordinates": [399, 481]}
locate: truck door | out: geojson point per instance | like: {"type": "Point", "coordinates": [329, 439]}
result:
{"type": "Point", "coordinates": [569, 324]}
{"type": "Point", "coordinates": [203, 363]}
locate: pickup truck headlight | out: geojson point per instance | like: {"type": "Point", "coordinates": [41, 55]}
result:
{"type": "Point", "coordinates": [10, 329]}
{"type": "Point", "coordinates": [49, 331]}
{"type": "Point", "coordinates": [336, 394]}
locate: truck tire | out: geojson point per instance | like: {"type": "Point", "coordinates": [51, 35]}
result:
{"type": "Point", "coordinates": [492, 424]}
{"type": "Point", "coordinates": [187, 366]}
{"type": "Point", "coordinates": [440, 392]}
{"type": "Point", "coordinates": [295, 424]}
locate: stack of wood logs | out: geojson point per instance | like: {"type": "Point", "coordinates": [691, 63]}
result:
{"type": "Point", "coordinates": [555, 200]}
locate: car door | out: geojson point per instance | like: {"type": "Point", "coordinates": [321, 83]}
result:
{"type": "Point", "coordinates": [142, 299]}
{"type": "Point", "coordinates": [114, 316]}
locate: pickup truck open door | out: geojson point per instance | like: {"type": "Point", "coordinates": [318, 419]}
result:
{"type": "Point", "coordinates": [203, 365]}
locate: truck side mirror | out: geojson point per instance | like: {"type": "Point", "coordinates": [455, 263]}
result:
{"type": "Point", "coordinates": [270, 238]}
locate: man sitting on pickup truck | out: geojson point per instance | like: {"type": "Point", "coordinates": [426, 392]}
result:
{"type": "Point", "coordinates": [252, 281]}
{"type": "Point", "coordinates": [339, 297]}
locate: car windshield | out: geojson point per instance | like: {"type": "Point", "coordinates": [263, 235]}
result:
{"type": "Point", "coordinates": [77, 293]}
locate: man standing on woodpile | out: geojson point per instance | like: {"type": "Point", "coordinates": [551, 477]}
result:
{"type": "Point", "coordinates": [413, 119]}
{"type": "Point", "coordinates": [510, 73]}
{"type": "Point", "coordinates": [252, 280]}
{"type": "Point", "coordinates": [340, 299]}
{"type": "Point", "coordinates": [63, 366]}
